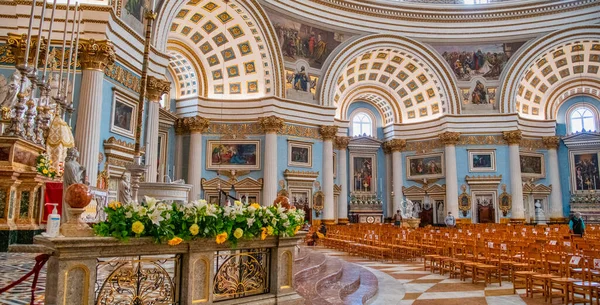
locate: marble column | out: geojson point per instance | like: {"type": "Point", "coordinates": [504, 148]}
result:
{"type": "Point", "coordinates": [388, 181]}
{"type": "Point", "coordinates": [449, 139]}
{"type": "Point", "coordinates": [197, 125]}
{"type": "Point", "coordinates": [396, 146]}
{"type": "Point", "coordinates": [94, 56]}
{"type": "Point", "coordinates": [328, 134]}
{"type": "Point", "coordinates": [180, 130]}
{"type": "Point", "coordinates": [513, 139]}
{"type": "Point", "coordinates": [342, 146]}
{"type": "Point", "coordinates": [556, 204]}
{"type": "Point", "coordinates": [155, 89]}
{"type": "Point", "coordinates": [271, 125]}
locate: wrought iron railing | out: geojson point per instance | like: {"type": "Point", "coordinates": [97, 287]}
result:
{"type": "Point", "coordinates": [241, 273]}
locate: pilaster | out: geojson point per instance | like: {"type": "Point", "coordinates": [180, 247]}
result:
{"type": "Point", "coordinates": [272, 125]}
{"type": "Point", "coordinates": [513, 139]}
{"type": "Point", "coordinates": [449, 139]}
{"type": "Point", "coordinates": [155, 89]}
{"type": "Point", "coordinates": [197, 125]}
{"type": "Point", "coordinates": [328, 133]}
{"type": "Point", "coordinates": [341, 144]}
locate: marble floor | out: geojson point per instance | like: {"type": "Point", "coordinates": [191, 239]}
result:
{"type": "Point", "coordinates": [12, 267]}
{"type": "Point", "coordinates": [405, 283]}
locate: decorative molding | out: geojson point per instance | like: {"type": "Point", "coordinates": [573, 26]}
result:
{"type": "Point", "coordinates": [532, 144]}
{"type": "Point", "coordinates": [512, 137]}
{"type": "Point", "coordinates": [271, 124]}
{"type": "Point", "coordinates": [424, 147]}
{"type": "Point", "coordinates": [342, 142]}
{"type": "Point", "coordinates": [395, 145]}
{"type": "Point", "coordinates": [489, 182]}
{"type": "Point", "coordinates": [538, 189]}
{"type": "Point", "coordinates": [551, 142]}
{"type": "Point", "coordinates": [155, 88]}
{"type": "Point", "coordinates": [481, 140]}
{"type": "Point", "coordinates": [364, 144]}
{"type": "Point", "coordinates": [246, 184]}
{"type": "Point", "coordinates": [582, 140]}
{"type": "Point", "coordinates": [328, 132]}
{"type": "Point", "coordinates": [449, 138]}
{"type": "Point", "coordinates": [96, 55]}
{"type": "Point", "coordinates": [300, 175]}
{"type": "Point", "coordinates": [432, 189]}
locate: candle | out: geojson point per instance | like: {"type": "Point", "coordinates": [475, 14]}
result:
{"type": "Point", "coordinates": [28, 44]}
{"type": "Point", "coordinates": [64, 44]}
{"type": "Point", "coordinates": [71, 49]}
{"type": "Point", "coordinates": [49, 40]}
{"type": "Point", "coordinates": [37, 51]}
{"type": "Point", "coordinates": [152, 8]}
{"type": "Point", "coordinates": [75, 61]}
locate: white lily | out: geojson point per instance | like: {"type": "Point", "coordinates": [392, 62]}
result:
{"type": "Point", "coordinates": [250, 221]}
{"type": "Point", "coordinates": [150, 202]}
{"type": "Point", "coordinates": [156, 217]}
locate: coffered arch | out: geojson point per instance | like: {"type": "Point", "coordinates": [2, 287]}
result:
{"type": "Point", "coordinates": [233, 42]}
{"type": "Point", "coordinates": [376, 95]}
{"type": "Point", "coordinates": [414, 78]}
{"type": "Point", "coordinates": [545, 69]}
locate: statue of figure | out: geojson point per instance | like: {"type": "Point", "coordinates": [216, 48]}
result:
{"type": "Point", "coordinates": [124, 189]}
{"type": "Point", "coordinates": [540, 216]}
{"type": "Point", "coordinates": [408, 209]}
{"type": "Point", "coordinates": [416, 210]}
{"type": "Point", "coordinates": [10, 90]}
{"type": "Point", "coordinates": [73, 173]}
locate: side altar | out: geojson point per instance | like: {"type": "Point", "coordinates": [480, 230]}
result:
{"type": "Point", "coordinates": [366, 205]}
{"type": "Point", "coordinates": [366, 208]}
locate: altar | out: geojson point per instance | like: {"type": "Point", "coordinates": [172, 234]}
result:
{"type": "Point", "coordinates": [366, 208]}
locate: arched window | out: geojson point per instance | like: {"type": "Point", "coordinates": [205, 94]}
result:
{"type": "Point", "coordinates": [582, 118]}
{"type": "Point", "coordinates": [362, 124]}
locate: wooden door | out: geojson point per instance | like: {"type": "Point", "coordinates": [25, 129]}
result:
{"type": "Point", "coordinates": [485, 214]}
{"type": "Point", "coordinates": [426, 215]}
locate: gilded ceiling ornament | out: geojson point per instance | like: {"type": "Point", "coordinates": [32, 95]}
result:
{"type": "Point", "coordinates": [551, 142]}
{"type": "Point", "coordinates": [197, 124]}
{"type": "Point", "coordinates": [96, 55]}
{"type": "Point", "coordinates": [450, 138]}
{"type": "Point", "coordinates": [271, 123]}
{"type": "Point", "coordinates": [395, 145]}
{"type": "Point", "coordinates": [512, 137]}
{"type": "Point", "coordinates": [155, 88]}
{"type": "Point", "coordinates": [328, 132]}
{"type": "Point", "coordinates": [342, 142]}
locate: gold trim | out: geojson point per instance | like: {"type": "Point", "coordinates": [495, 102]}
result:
{"type": "Point", "coordinates": [86, 283]}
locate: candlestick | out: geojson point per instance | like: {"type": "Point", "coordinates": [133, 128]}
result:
{"type": "Point", "coordinates": [71, 49]}
{"type": "Point", "coordinates": [49, 41]}
{"type": "Point", "coordinates": [28, 44]}
{"type": "Point", "coordinates": [75, 61]}
{"type": "Point", "coordinates": [39, 40]}
{"type": "Point", "coordinates": [64, 44]}
{"type": "Point", "coordinates": [153, 6]}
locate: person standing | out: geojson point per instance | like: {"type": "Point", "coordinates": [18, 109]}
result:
{"type": "Point", "coordinates": [398, 218]}
{"type": "Point", "coordinates": [450, 221]}
{"type": "Point", "coordinates": [576, 225]}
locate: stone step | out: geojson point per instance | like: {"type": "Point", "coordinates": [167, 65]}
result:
{"type": "Point", "coordinates": [307, 268]}
{"type": "Point", "coordinates": [332, 289]}
{"type": "Point", "coordinates": [307, 287]}
{"type": "Point", "coordinates": [367, 290]}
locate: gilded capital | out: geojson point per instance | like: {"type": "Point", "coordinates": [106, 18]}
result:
{"type": "Point", "coordinates": [155, 88]}
{"type": "Point", "coordinates": [395, 145]}
{"type": "Point", "coordinates": [180, 126]}
{"type": "Point", "coordinates": [449, 138]}
{"type": "Point", "coordinates": [342, 142]}
{"type": "Point", "coordinates": [196, 124]}
{"type": "Point", "coordinates": [328, 132]}
{"type": "Point", "coordinates": [512, 137]}
{"type": "Point", "coordinates": [18, 43]}
{"type": "Point", "coordinates": [271, 123]}
{"type": "Point", "coordinates": [551, 142]}
{"type": "Point", "coordinates": [96, 55]}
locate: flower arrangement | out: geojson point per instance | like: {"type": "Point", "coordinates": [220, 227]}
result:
{"type": "Point", "coordinates": [44, 166]}
{"type": "Point", "coordinates": [174, 222]}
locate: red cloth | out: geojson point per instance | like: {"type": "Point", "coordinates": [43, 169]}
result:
{"type": "Point", "coordinates": [53, 194]}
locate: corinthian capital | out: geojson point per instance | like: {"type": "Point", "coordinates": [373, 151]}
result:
{"type": "Point", "coordinates": [395, 145]}
{"type": "Point", "coordinates": [18, 43]}
{"type": "Point", "coordinates": [271, 123]}
{"type": "Point", "coordinates": [96, 55]}
{"type": "Point", "coordinates": [155, 88]}
{"type": "Point", "coordinates": [449, 138]}
{"type": "Point", "coordinates": [512, 137]}
{"type": "Point", "coordinates": [342, 142]}
{"type": "Point", "coordinates": [180, 126]}
{"type": "Point", "coordinates": [328, 132]}
{"type": "Point", "coordinates": [551, 142]}
{"type": "Point", "coordinates": [196, 124]}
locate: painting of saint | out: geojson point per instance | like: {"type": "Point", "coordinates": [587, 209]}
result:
{"type": "Point", "coordinates": [423, 167]}
{"type": "Point", "coordinates": [123, 113]}
{"type": "Point", "coordinates": [479, 95]}
{"type": "Point", "coordinates": [299, 154]}
{"type": "Point", "coordinates": [363, 174]}
{"type": "Point", "coordinates": [301, 41]}
{"type": "Point", "coordinates": [586, 173]}
{"type": "Point", "coordinates": [532, 165]}
{"type": "Point", "coordinates": [468, 61]}
{"type": "Point", "coordinates": [233, 155]}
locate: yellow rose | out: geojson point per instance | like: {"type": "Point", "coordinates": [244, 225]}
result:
{"type": "Point", "coordinates": [237, 202]}
{"type": "Point", "coordinates": [263, 234]}
{"type": "Point", "coordinates": [255, 205]}
{"type": "Point", "coordinates": [175, 241]}
{"type": "Point", "coordinates": [238, 233]}
{"type": "Point", "coordinates": [221, 238]}
{"type": "Point", "coordinates": [45, 171]}
{"type": "Point", "coordinates": [137, 227]}
{"type": "Point", "coordinates": [296, 230]}
{"type": "Point", "coordinates": [270, 230]}
{"type": "Point", "coordinates": [194, 229]}
{"type": "Point", "coordinates": [114, 205]}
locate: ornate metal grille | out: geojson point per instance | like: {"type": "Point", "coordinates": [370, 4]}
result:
{"type": "Point", "coordinates": [140, 280]}
{"type": "Point", "coordinates": [241, 273]}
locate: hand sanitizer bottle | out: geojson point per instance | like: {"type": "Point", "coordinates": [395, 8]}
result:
{"type": "Point", "coordinates": [53, 225]}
